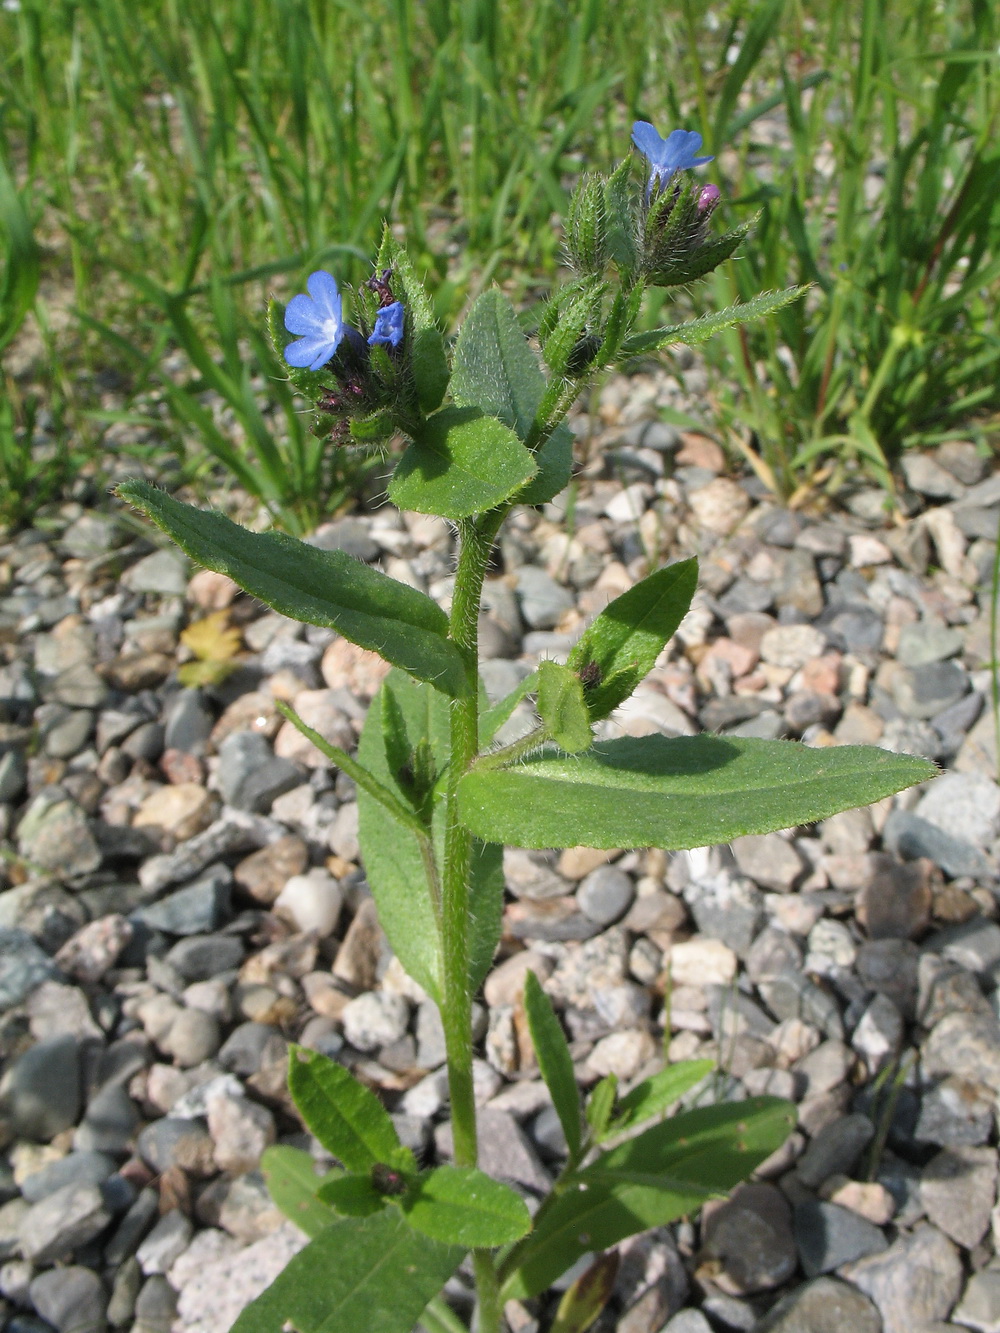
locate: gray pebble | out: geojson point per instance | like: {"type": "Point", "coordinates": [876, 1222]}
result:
{"type": "Point", "coordinates": [979, 1308]}
{"type": "Point", "coordinates": [200, 957]}
{"type": "Point", "coordinates": [543, 601]}
{"type": "Point", "coordinates": [605, 895]}
{"type": "Point", "coordinates": [155, 1307]}
{"type": "Point", "coordinates": [828, 1236]}
{"type": "Point", "coordinates": [72, 1299]}
{"type": "Point", "coordinates": [164, 573]}
{"type": "Point", "coordinates": [23, 966]}
{"type": "Point", "coordinates": [53, 1228]}
{"type": "Point", "coordinates": [908, 836]}
{"type": "Point", "coordinates": [124, 1290]}
{"type": "Point", "coordinates": [55, 835]}
{"type": "Point", "coordinates": [188, 723]}
{"type": "Point", "coordinates": [835, 1150]}
{"type": "Point", "coordinates": [727, 907]}
{"type": "Point", "coordinates": [954, 1114]}
{"type": "Point", "coordinates": [350, 535]}
{"type": "Point", "coordinates": [77, 1168]}
{"type": "Point", "coordinates": [174, 1142]}
{"type": "Point", "coordinates": [109, 1123]}
{"type": "Point", "coordinates": [750, 1238]}
{"type": "Point", "coordinates": [41, 1091]}
{"type": "Point", "coordinates": [822, 1306]}
{"type": "Point", "coordinates": [197, 909]}
{"type": "Point", "coordinates": [250, 1046]}
{"type": "Point", "coordinates": [959, 1188]}
{"type": "Point", "coordinates": [916, 1280]}
{"type": "Point", "coordinates": [134, 1225]}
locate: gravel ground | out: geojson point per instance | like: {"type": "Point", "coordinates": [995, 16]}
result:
{"type": "Point", "coordinates": [181, 896]}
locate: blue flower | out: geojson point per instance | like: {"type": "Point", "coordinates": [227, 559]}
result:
{"type": "Point", "coordinates": [318, 318]}
{"type": "Point", "coordinates": [388, 326]}
{"type": "Point", "coordinates": [665, 156]}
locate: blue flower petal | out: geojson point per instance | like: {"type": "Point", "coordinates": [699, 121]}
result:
{"type": "Point", "coordinates": [301, 315]}
{"type": "Point", "coordinates": [389, 324]}
{"type": "Point", "coordinates": [324, 291]}
{"type": "Point", "coordinates": [646, 139]}
{"type": "Point", "coordinates": [309, 353]}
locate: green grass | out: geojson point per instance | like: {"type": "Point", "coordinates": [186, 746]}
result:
{"type": "Point", "coordinates": [177, 162]}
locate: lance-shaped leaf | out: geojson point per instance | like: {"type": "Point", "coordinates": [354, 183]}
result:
{"type": "Point", "coordinates": [292, 1182]}
{"type": "Point", "coordinates": [698, 330]}
{"type": "Point", "coordinates": [620, 647]}
{"type": "Point", "coordinates": [661, 1175]}
{"type": "Point", "coordinates": [407, 729]}
{"type": "Point", "coordinates": [461, 462]}
{"type": "Point", "coordinates": [346, 1117]}
{"type": "Point", "coordinates": [691, 791]}
{"type": "Point", "coordinates": [463, 1206]}
{"type": "Point", "coordinates": [562, 707]}
{"type": "Point", "coordinates": [374, 1273]}
{"type": "Point", "coordinates": [655, 1094]}
{"type": "Point", "coordinates": [585, 1298]}
{"type": "Point", "coordinates": [327, 588]}
{"type": "Point", "coordinates": [554, 1060]}
{"type": "Point", "coordinates": [352, 1195]}
{"type": "Point", "coordinates": [496, 371]}
{"type": "Point", "coordinates": [600, 1104]}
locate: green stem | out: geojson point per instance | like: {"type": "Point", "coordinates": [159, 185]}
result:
{"type": "Point", "coordinates": [476, 542]}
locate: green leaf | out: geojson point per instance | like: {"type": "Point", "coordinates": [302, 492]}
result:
{"type": "Point", "coordinates": [554, 1061]}
{"type": "Point", "coordinates": [663, 1174]}
{"type": "Point", "coordinates": [430, 368]}
{"type": "Point", "coordinates": [600, 1105]}
{"type": "Point", "coordinates": [555, 466]}
{"type": "Point", "coordinates": [463, 1206]}
{"type": "Point", "coordinates": [462, 462]}
{"type": "Point", "coordinates": [327, 588]}
{"type": "Point", "coordinates": [374, 1273]}
{"type": "Point", "coordinates": [22, 270]}
{"type": "Point", "coordinates": [494, 367]}
{"type": "Point", "coordinates": [698, 330]}
{"type": "Point", "coordinates": [352, 1196]}
{"type": "Point", "coordinates": [628, 636]}
{"type": "Point", "coordinates": [405, 886]}
{"type": "Point", "coordinates": [655, 1094]}
{"type": "Point", "coordinates": [691, 791]}
{"type": "Point", "coordinates": [492, 719]}
{"type": "Point", "coordinates": [562, 707]}
{"type": "Point", "coordinates": [585, 1298]}
{"type": "Point", "coordinates": [496, 371]}
{"type": "Point", "coordinates": [346, 1117]}
{"type": "Point", "coordinates": [292, 1182]}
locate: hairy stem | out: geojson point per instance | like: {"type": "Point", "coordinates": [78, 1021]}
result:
{"type": "Point", "coordinates": [476, 542]}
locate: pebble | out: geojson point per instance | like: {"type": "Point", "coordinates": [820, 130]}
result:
{"type": "Point", "coordinates": [71, 1299]}
{"type": "Point", "coordinates": [375, 1019]}
{"type": "Point", "coordinates": [241, 1130]}
{"type": "Point", "coordinates": [828, 1236]}
{"type": "Point", "coordinates": [605, 894]}
{"type": "Point", "coordinates": [311, 902]}
{"type": "Point", "coordinates": [964, 805]}
{"type": "Point", "coordinates": [40, 1093]}
{"type": "Point", "coordinates": [747, 1241]}
{"type": "Point", "coordinates": [958, 1188]}
{"type": "Point", "coordinates": [916, 1280]}
{"type": "Point", "coordinates": [824, 1305]}
{"type": "Point", "coordinates": [173, 1142]}
{"type": "Point", "coordinates": [165, 1244]}
{"type": "Point", "coordinates": [702, 962]}
{"type": "Point", "coordinates": [57, 1225]}
{"type": "Point", "coordinates": [979, 1308]}
{"type": "Point", "coordinates": [265, 873]}
{"type": "Point", "coordinates": [835, 1150]}
{"type": "Point", "coordinates": [85, 1168]}
{"type": "Point", "coordinates": [55, 835]}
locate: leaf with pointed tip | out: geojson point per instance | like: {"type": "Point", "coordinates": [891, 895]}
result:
{"type": "Point", "coordinates": [327, 588]}
{"type": "Point", "coordinates": [625, 640]}
{"type": "Point", "coordinates": [698, 330]}
{"type": "Point", "coordinates": [600, 1104]}
{"type": "Point", "coordinates": [655, 1094]}
{"type": "Point", "coordinates": [460, 462]}
{"type": "Point", "coordinates": [554, 1060]}
{"type": "Point", "coordinates": [346, 1117]}
{"type": "Point", "coordinates": [665, 1173]}
{"type": "Point", "coordinates": [585, 1298]}
{"type": "Point", "coordinates": [374, 1273]}
{"type": "Point", "coordinates": [463, 1206]}
{"type": "Point", "coordinates": [292, 1182]}
{"type": "Point", "coordinates": [562, 707]}
{"type": "Point", "coordinates": [691, 791]}
{"type": "Point", "coordinates": [352, 1196]}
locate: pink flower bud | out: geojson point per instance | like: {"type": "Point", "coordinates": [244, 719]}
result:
{"type": "Point", "coordinates": [708, 197]}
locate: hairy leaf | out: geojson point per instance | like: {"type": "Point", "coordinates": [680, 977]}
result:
{"type": "Point", "coordinates": [461, 462]}
{"type": "Point", "coordinates": [463, 1206]}
{"type": "Point", "coordinates": [562, 707]}
{"type": "Point", "coordinates": [554, 1060]}
{"type": "Point", "coordinates": [691, 791]}
{"type": "Point", "coordinates": [346, 1117]}
{"type": "Point", "coordinates": [326, 588]}
{"type": "Point", "coordinates": [374, 1273]}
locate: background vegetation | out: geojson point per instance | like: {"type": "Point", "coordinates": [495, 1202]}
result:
{"type": "Point", "coordinates": [165, 164]}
